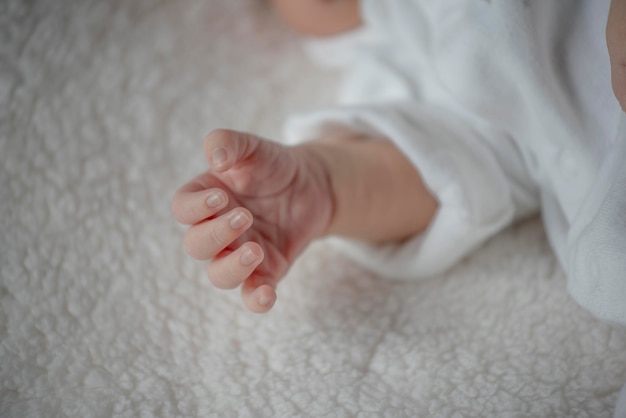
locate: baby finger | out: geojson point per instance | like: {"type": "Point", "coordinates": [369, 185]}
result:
{"type": "Point", "coordinates": [258, 295]}
{"type": "Point", "coordinates": [190, 208]}
{"type": "Point", "coordinates": [230, 271]}
{"type": "Point", "coordinates": [207, 239]}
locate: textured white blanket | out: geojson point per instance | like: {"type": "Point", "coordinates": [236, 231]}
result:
{"type": "Point", "coordinates": [103, 107]}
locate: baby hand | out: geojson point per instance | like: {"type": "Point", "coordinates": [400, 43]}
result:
{"type": "Point", "coordinates": [255, 209]}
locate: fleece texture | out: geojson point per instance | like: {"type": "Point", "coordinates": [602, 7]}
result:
{"type": "Point", "coordinates": [103, 107]}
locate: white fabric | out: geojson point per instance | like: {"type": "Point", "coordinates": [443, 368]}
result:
{"type": "Point", "coordinates": [620, 408]}
{"type": "Point", "coordinates": [504, 107]}
{"type": "Point", "coordinates": [103, 106]}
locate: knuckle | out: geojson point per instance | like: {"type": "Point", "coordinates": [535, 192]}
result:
{"type": "Point", "coordinates": [182, 214]}
{"type": "Point", "coordinates": [175, 210]}
{"type": "Point", "coordinates": [176, 207]}
{"type": "Point", "coordinates": [214, 277]}
{"type": "Point", "coordinates": [216, 237]}
{"type": "Point", "coordinates": [222, 136]}
{"type": "Point", "coordinates": [181, 209]}
{"type": "Point", "coordinates": [189, 243]}
{"type": "Point", "coordinates": [224, 279]}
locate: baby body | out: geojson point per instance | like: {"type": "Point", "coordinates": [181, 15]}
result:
{"type": "Point", "coordinates": [456, 118]}
{"type": "Point", "coordinates": [503, 108]}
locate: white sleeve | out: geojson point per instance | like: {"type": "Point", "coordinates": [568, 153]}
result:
{"type": "Point", "coordinates": [596, 243]}
{"type": "Point", "coordinates": [481, 188]}
{"type": "Point", "coordinates": [339, 51]}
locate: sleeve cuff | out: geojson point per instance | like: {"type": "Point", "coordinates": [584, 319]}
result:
{"type": "Point", "coordinates": [474, 199]}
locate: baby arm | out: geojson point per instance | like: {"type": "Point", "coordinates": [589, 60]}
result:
{"type": "Point", "coordinates": [261, 203]}
{"type": "Point", "coordinates": [616, 41]}
{"type": "Point", "coordinates": [378, 195]}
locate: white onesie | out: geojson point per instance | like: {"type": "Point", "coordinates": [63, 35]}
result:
{"type": "Point", "coordinates": [505, 107]}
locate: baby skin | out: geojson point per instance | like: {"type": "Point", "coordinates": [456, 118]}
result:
{"type": "Point", "coordinates": [261, 203]}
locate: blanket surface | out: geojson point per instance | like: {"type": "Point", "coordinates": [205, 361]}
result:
{"type": "Point", "coordinates": [103, 108]}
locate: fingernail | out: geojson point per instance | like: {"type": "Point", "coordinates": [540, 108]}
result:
{"type": "Point", "coordinates": [247, 258]}
{"type": "Point", "coordinates": [264, 300]}
{"type": "Point", "coordinates": [214, 200]}
{"type": "Point", "coordinates": [238, 221]}
{"type": "Point", "coordinates": [219, 157]}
